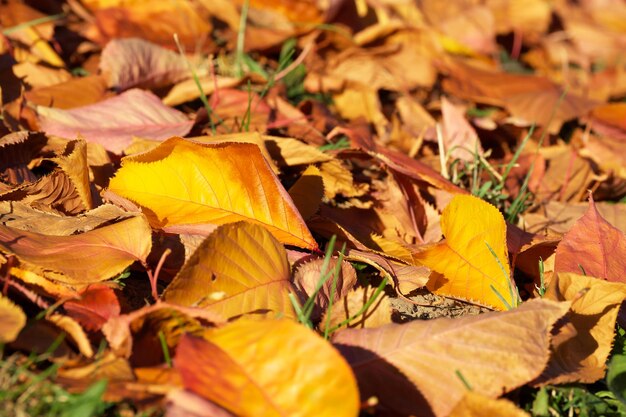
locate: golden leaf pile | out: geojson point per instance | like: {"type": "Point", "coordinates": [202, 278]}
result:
{"type": "Point", "coordinates": [312, 208]}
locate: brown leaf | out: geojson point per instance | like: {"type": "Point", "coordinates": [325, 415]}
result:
{"type": "Point", "coordinates": [113, 122]}
{"type": "Point", "coordinates": [21, 216]}
{"type": "Point", "coordinates": [55, 192]}
{"type": "Point", "coordinates": [532, 98]}
{"type": "Point", "coordinates": [308, 274]}
{"type": "Point", "coordinates": [119, 334]}
{"type": "Point", "coordinates": [376, 315]}
{"type": "Point", "coordinates": [460, 138]}
{"type": "Point", "coordinates": [419, 361]}
{"type": "Point", "coordinates": [593, 246]}
{"type": "Point", "coordinates": [307, 192]}
{"type": "Point", "coordinates": [581, 348]}
{"type": "Point", "coordinates": [136, 63]}
{"type": "Point", "coordinates": [81, 259]}
{"type": "Point", "coordinates": [18, 149]}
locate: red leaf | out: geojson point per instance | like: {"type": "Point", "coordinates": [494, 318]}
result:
{"type": "Point", "coordinates": [97, 304]}
{"type": "Point", "coordinates": [594, 245]}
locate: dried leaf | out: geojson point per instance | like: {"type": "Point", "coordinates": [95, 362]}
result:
{"type": "Point", "coordinates": [185, 183]}
{"type": "Point", "coordinates": [96, 305]}
{"type": "Point", "coordinates": [113, 122]}
{"type": "Point", "coordinates": [420, 361]}
{"type": "Point", "coordinates": [461, 140]}
{"type": "Point", "coordinates": [307, 192]}
{"type": "Point", "coordinates": [308, 274]}
{"type": "Point", "coordinates": [136, 63]}
{"type": "Point", "coordinates": [594, 247]}
{"type": "Point", "coordinates": [476, 405]}
{"type": "Point", "coordinates": [584, 344]}
{"type": "Point", "coordinates": [239, 269]}
{"type": "Point", "coordinates": [470, 271]}
{"type": "Point", "coordinates": [13, 320]}
{"type": "Point", "coordinates": [376, 315]}
{"type": "Point", "coordinates": [81, 259]}
{"type": "Point", "coordinates": [254, 368]}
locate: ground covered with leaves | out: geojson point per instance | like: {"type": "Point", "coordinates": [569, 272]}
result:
{"type": "Point", "coordinates": [312, 208]}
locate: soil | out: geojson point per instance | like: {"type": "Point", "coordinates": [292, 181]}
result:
{"type": "Point", "coordinates": [424, 305]}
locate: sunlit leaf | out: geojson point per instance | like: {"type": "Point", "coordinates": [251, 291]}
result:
{"type": "Point", "coordinates": [13, 320]}
{"type": "Point", "coordinates": [582, 347]}
{"type": "Point", "coordinates": [593, 247]}
{"type": "Point", "coordinates": [423, 363]}
{"type": "Point", "coordinates": [186, 183]}
{"type": "Point", "coordinates": [269, 368]}
{"type": "Point", "coordinates": [134, 62]}
{"type": "Point", "coordinates": [81, 259]}
{"type": "Point", "coordinates": [239, 269]}
{"type": "Point", "coordinates": [468, 267]}
{"type": "Point", "coordinates": [113, 122]}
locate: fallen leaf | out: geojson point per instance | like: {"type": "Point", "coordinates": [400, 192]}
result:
{"type": "Point", "coordinates": [476, 405]}
{"type": "Point", "coordinates": [119, 334]}
{"type": "Point", "coordinates": [155, 22]}
{"type": "Point", "coordinates": [113, 122]}
{"type": "Point", "coordinates": [81, 259]}
{"type": "Point", "coordinates": [55, 192]}
{"type": "Point", "coordinates": [21, 216]}
{"type": "Point", "coordinates": [254, 368]}
{"type": "Point", "coordinates": [581, 349]}
{"type": "Point", "coordinates": [96, 305]}
{"type": "Point", "coordinates": [185, 183]}
{"type": "Point", "coordinates": [530, 97]}
{"type": "Point", "coordinates": [469, 270]}
{"type": "Point", "coordinates": [307, 192]}
{"type": "Point", "coordinates": [308, 274]}
{"type": "Point", "coordinates": [136, 63]}
{"type": "Point", "coordinates": [18, 149]}
{"type": "Point", "coordinates": [13, 320]}
{"type": "Point", "coordinates": [461, 140]}
{"type": "Point", "coordinates": [420, 361]}
{"type": "Point", "coordinates": [594, 247]}
{"type": "Point", "coordinates": [239, 269]}
{"type": "Point", "coordinates": [346, 309]}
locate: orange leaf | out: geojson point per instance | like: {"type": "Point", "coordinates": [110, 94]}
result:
{"type": "Point", "coordinates": [594, 245]}
{"type": "Point", "coordinates": [268, 368]}
{"type": "Point", "coordinates": [240, 268]}
{"type": "Point", "coordinates": [81, 259]}
{"type": "Point", "coordinates": [13, 320]}
{"type": "Point", "coordinates": [420, 361]}
{"type": "Point", "coordinates": [186, 183]}
{"type": "Point", "coordinates": [470, 271]}
{"type": "Point", "coordinates": [96, 305]}
{"type": "Point", "coordinates": [476, 405]}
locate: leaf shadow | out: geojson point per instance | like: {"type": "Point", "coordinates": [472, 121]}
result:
{"type": "Point", "coordinates": [396, 395]}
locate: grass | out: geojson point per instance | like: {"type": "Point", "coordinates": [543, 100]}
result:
{"type": "Point", "coordinates": [304, 312]}
{"type": "Point", "coordinates": [484, 181]}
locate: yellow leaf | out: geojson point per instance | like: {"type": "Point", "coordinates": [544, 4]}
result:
{"type": "Point", "coordinates": [307, 192]}
{"type": "Point", "coordinates": [240, 268]}
{"type": "Point", "coordinates": [270, 368]}
{"type": "Point", "coordinates": [13, 320]}
{"type": "Point", "coordinates": [477, 405]}
{"type": "Point", "coordinates": [185, 183]}
{"type": "Point", "coordinates": [466, 267]}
